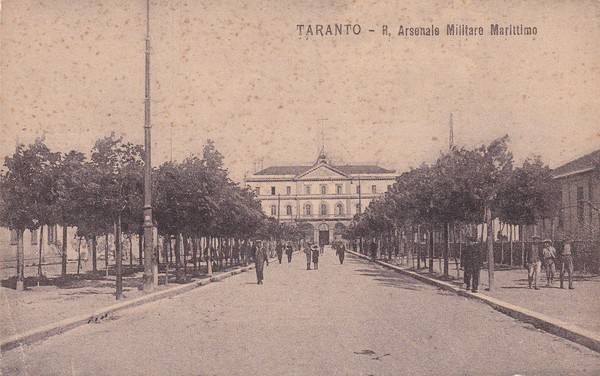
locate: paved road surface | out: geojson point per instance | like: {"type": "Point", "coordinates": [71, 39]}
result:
{"type": "Point", "coordinates": [351, 319]}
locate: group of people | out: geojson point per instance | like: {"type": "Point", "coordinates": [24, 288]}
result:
{"type": "Point", "coordinates": [545, 253]}
{"type": "Point", "coordinates": [540, 253]}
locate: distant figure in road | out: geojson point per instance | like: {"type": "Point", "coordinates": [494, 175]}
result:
{"type": "Point", "coordinates": [308, 253]}
{"type": "Point", "coordinates": [373, 249]}
{"type": "Point", "coordinates": [534, 263]}
{"type": "Point", "coordinates": [322, 247]}
{"type": "Point", "coordinates": [288, 251]}
{"type": "Point", "coordinates": [472, 262]}
{"type": "Point", "coordinates": [549, 253]}
{"type": "Point", "coordinates": [279, 251]}
{"type": "Point", "coordinates": [566, 264]}
{"type": "Point", "coordinates": [341, 252]}
{"type": "Point", "coordinates": [260, 258]}
{"type": "Point", "coordinates": [315, 256]}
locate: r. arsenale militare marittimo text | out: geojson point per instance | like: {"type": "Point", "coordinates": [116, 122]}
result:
{"type": "Point", "coordinates": [452, 29]}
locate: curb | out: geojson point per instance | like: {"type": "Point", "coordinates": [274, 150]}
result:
{"type": "Point", "coordinates": [548, 324]}
{"type": "Point", "coordinates": [65, 325]}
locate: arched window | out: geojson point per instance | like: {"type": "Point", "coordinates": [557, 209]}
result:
{"type": "Point", "coordinates": [323, 189]}
{"type": "Point", "coordinates": [288, 210]}
{"type": "Point", "coordinates": [307, 210]}
{"type": "Point", "coordinates": [338, 189]}
{"type": "Point", "coordinates": [273, 210]}
{"type": "Point", "coordinates": [323, 209]}
{"type": "Point", "coordinates": [339, 209]}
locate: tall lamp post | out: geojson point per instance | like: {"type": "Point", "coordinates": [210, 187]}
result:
{"type": "Point", "coordinates": [148, 228]}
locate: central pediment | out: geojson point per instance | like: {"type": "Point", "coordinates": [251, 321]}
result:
{"type": "Point", "coordinates": [322, 171]}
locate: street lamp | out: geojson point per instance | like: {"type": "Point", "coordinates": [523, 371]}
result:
{"type": "Point", "coordinates": [149, 267]}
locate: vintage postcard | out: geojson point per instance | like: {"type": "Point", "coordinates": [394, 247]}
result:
{"type": "Point", "coordinates": [389, 140]}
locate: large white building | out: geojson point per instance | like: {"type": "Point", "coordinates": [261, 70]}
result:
{"type": "Point", "coordinates": [322, 197]}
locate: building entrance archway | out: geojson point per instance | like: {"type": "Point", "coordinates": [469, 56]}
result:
{"type": "Point", "coordinates": [324, 234]}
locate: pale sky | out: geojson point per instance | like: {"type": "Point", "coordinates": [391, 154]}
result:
{"type": "Point", "coordinates": [239, 73]}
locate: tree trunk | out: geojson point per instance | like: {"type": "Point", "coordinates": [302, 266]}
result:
{"type": "Point", "coordinates": [522, 244]}
{"type": "Point", "coordinates": [106, 252]}
{"type": "Point", "coordinates": [512, 230]}
{"type": "Point", "coordinates": [490, 246]}
{"type": "Point", "coordinates": [186, 246]}
{"type": "Point", "coordinates": [431, 250]}
{"type": "Point", "coordinates": [64, 251]}
{"type": "Point", "coordinates": [179, 277]}
{"type": "Point", "coordinates": [40, 255]}
{"type": "Point", "coordinates": [141, 246]}
{"type": "Point", "coordinates": [20, 262]}
{"type": "Point", "coordinates": [446, 247]}
{"type": "Point", "coordinates": [118, 259]}
{"type": "Point", "coordinates": [94, 261]}
{"type": "Point", "coordinates": [78, 255]}
{"type": "Point", "coordinates": [130, 250]}
{"type": "Point", "coordinates": [209, 256]}
{"type": "Point", "coordinates": [195, 253]}
{"type": "Point", "coordinates": [167, 240]}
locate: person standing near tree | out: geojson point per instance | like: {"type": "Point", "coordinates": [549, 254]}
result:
{"type": "Point", "coordinates": [341, 252]}
{"type": "Point", "coordinates": [373, 249]}
{"type": "Point", "coordinates": [549, 253]}
{"type": "Point", "coordinates": [260, 257]}
{"type": "Point", "coordinates": [288, 251]}
{"type": "Point", "coordinates": [534, 263]}
{"type": "Point", "coordinates": [308, 253]}
{"type": "Point", "coordinates": [472, 262]}
{"type": "Point", "coordinates": [279, 250]}
{"type": "Point", "coordinates": [566, 264]}
{"type": "Point", "coordinates": [315, 256]}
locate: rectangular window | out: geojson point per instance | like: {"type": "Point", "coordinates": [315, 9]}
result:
{"type": "Point", "coordinates": [34, 235]}
{"type": "Point", "coordinates": [288, 210]}
{"type": "Point", "coordinates": [273, 191]}
{"type": "Point", "coordinates": [373, 189]}
{"type": "Point", "coordinates": [307, 189]}
{"type": "Point", "coordinates": [580, 204]}
{"type": "Point", "coordinates": [338, 189]}
{"type": "Point", "coordinates": [258, 191]}
{"type": "Point", "coordinates": [288, 190]}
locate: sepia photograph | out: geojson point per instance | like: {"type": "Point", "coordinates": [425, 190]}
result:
{"type": "Point", "coordinates": [274, 187]}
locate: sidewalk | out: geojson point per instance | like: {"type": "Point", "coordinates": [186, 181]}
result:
{"type": "Point", "coordinates": [580, 306]}
{"type": "Point", "coordinates": [65, 298]}
{"type": "Point", "coordinates": [548, 307]}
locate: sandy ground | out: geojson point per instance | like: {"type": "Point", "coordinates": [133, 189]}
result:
{"type": "Point", "coordinates": [580, 306]}
{"type": "Point", "coordinates": [351, 319]}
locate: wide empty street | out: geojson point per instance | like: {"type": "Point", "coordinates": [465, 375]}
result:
{"type": "Point", "coordinates": [350, 319]}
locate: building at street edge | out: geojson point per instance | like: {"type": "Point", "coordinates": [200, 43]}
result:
{"type": "Point", "coordinates": [323, 197]}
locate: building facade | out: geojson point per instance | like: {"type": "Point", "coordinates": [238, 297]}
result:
{"type": "Point", "coordinates": [579, 182]}
{"type": "Point", "coordinates": [322, 197]}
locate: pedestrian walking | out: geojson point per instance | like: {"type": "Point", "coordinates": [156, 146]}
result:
{"type": "Point", "coordinates": [308, 253]}
{"type": "Point", "coordinates": [534, 263]}
{"type": "Point", "coordinates": [566, 264]}
{"type": "Point", "coordinates": [279, 251]}
{"type": "Point", "coordinates": [289, 250]}
{"type": "Point", "coordinates": [260, 257]}
{"type": "Point", "coordinates": [549, 253]}
{"type": "Point", "coordinates": [472, 262]}
{"type": "Point", "coordinates": [341, 252]}
{"type": "Point", "coordinates": [315, 256]}
{"type": "Point", "coordinates": [322, 247]}
{"type": "Point", "coordinates": [373, 249]}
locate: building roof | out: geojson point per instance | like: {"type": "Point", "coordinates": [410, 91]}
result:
{"type": "Point", "coordinates": [582, 164]}
{"type": "Point", "coordinates": [347, 169]}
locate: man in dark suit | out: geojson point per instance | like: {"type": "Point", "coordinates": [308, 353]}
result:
{"type": "Point", "coordinates": [472, 262]}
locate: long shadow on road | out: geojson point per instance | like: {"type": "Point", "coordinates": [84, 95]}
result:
{"type": "Point", "coordinates": [389, 278]}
